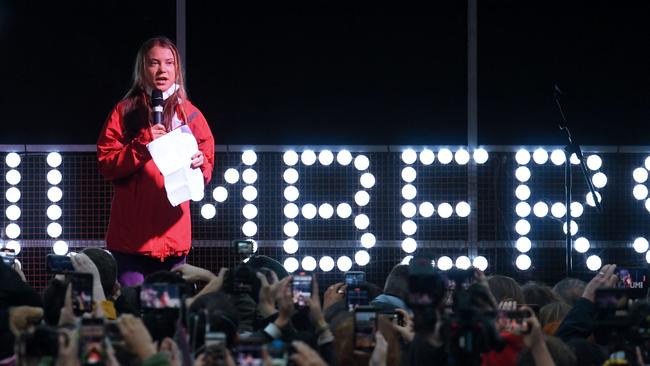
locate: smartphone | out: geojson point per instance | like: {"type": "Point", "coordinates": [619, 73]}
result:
{"type": "Point", "coordinates": [243, 247]}
{"type": "Point", "coordinates": [633, 279]}
{"type": "Point", "coordinates": [355, 278]}
{"type": "Point", "coordinates": [82, 292]}
{"type": "Point", "coordinates": [459, 279]}
{"type": "Point", "coordinates": [612, 299]}
{"type": "Point", "coordinates": [249, 354]}
{"type": "Point", "coordinates": [58, 264]}
{"type": "Point", "coordinates": [301, 288]}
{"type": "Point", "coordinates": [92, 346]}
{"type": "Point", "coordinates": [160, 296]}
{"type": "Point", "coordinates": [278, 352]}
{"type": "Point", "coordinates": [356, 290]}
{"type": "Point", "coordinates": [365, 324]}
{"type": "Point", "coordinates": [8, 256]}
{"type": "Point", "coordinates": [514, 321]}
{"type": "Point", "coordinates": [426, 286]}
{"type": "Point", "coordinates": [393, 316]}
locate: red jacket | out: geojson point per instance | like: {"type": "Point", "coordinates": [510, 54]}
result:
{"type": "Point", "coordinates": [142, 220]}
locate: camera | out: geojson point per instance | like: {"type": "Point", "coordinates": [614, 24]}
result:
{"type": "Point", "coordinates": [38, 342]}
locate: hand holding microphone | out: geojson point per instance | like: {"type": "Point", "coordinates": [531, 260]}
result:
{"type": "Point", "coordinates": [158, 129]}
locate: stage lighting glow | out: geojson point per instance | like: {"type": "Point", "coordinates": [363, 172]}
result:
{"type": "Point", "coordinates": [480, 156]}
{"type": "Point", "coordinates": [647, 205]}
{"type": "Point", "coordinates": [590, 199]}
{"type": "Point", "coordinates": [522, 157]}
{"type": "Point", "coordinates": [594, 162]}
{"type": "Point", "coordinates": [60, 248]}
{"type": "Point", "coordinates": [54, 229]}
{"type": "Point", "coordinates": [640, 175]}
{"type": "Point", "coordinates": [409, 174]}
{"type": "Point", "coordinates": [291, 264]}
{"type": "Point", "coordinates": [406, 260]}
{"type": "Point", "coordinates": [361, 222]}
{"type": "Point", "coordinates": [325, 157]}
{"type": "Point", "coordinates": [594, 263]}
{"type": "Point", "coordinates": [647, 256]}
{"type": "Point", "coordinates": [574, 227]}
{"type": "Point", "coordinates": [576, 209]}
{"type": "Point", "coordinates": [540, 209]}
{"type": "Point", "coordinates": [13, 194]}
{"type": "Point", "coordinates": [522, 209]}
{"type": "Point", "coordinates": [231, 175]}
{"type": "Point", "coordinates": [208, 211]}
{"type": "Point", "coordinates": [540, 156]}
{"type": "Point", "coordinates": [480, 262]}
{"type": "Point", "coordinates": [647, 163]}
{"type": "Point", "coordinates": [249, 228]}
{"type": "Point", "coordinates": [409, 227]}
{"type": "Point", "coordinates": [409, 245]}
{"type": "Point", "coordinates": [13, 212]}
{"type": "Point", "coordinates": [54, 212]}
{"type": "Point", "coordinates": [427, 157]}
{"type": "Point", "coordinates": [640, 192]}
{"type": "Point", "coordinates": [581, 245]}
{"type": "Point", "coordinates": [463, 262]}
{"type": "Point", "coordinates": [558, 210]}
{"type": "Point", "coordinates": [249, 157]}
{"type": "Point", "coordinates": [426, 209]}
{"type": "Point", "coordinates": [445, 263]}
{"type": "Point", "coordinates": [54, 159]}
{"type": "Point", "coordinates": [362, 198]}
{"type": "Point", "coordinates": [326, 263]}
{"type": "Point", "coordinates": [249, 176]}
{"type": "Point", "coordinates": [13, 244]}
{"type": "Point", "coordinates": [291, 210]}
{"type": "Point", "coordinates": [523, 262]}
{"type": "Point", "coordinates": [290, 246]}
{"type": "Point", "coordinates": [291, 229]}
{"type": "Point", "coordinates": [368, 240]}
{"type": "Point", "coordinates": [308, 157]}
{"type": "Point", "coordinates": [367, 180]}
{"type": "Point", "coordinates": [599, 179]}
{"type": "Point", "coordinates": [291, 193]}
{"type": "Point", "coordinates": [255, 246]}
{"type": "Point", "coordinates": [640, 245]}
{"type": "Point", "coordinates": [344, 263]}
{"type": "Point", "coordinates": [361, 162]}
{"type": "Point", "coordinates": [574, 159]}
{"type": "Point", "coordinates": [12, 231]}
{"type": "Point", "coordinates": [409, 156]}
{"type": "Point", "coordinates": [54, 177]}
{"type": "Point", "coordinates": [249, 193]}
{"type": "Point", "coordinates": [558, 157]}
{"type": "Point", "coordinates": [12, 177]}
{"type": "Point", "coordinates": [463, 209]}
{"type": "Point", "coordinates": [290, 158]}
{"type": "Point", "coordinates": [12, 160]}
{"type": "Point", "coordinates": [290, 176]}
{"type": "Point", "coordinates": [522, 174]}
{"type": "Point", "coordinates": [344, 157]}
{"type": "Point", "coordinates": [249, 211]}
{"type": "Point", "coordinates": [325, 211]}
{"type": "Point", "coordinates": [522, 227]}
{"type": "Point", "coordinates": [461, 156]}
{"type": "Point", "coordinates": [343, 210]}
{"type": "Point", "coordinates": [361, 258]}
{"type": "Point", "coordinates": [523, 244]}
{"type": "Point", "coordinates": [409, 192]}
{"type": "Point", "coordinates": [220, 194]}
{"type": "Point", "coordinates": [522, 192]}
{"type": "Point", "coordinates": [54, 194]}
{"type": "Point", "coordinates": [309, 211]}
{"type": "Point", "coordinates": [408, 209]}
{"type": "Point", "coordinates": [308, 263]}
{"type": "Point", "coordinates": [445, 210]}
{"type": "Point", "coordinates": [445, 156]}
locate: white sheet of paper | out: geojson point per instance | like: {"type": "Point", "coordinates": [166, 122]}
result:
{"type": "Point", "coordinates": [172, 154]}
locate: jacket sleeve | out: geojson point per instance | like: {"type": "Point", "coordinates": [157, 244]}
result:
{"type": "Point", "coordinates": [119, 159]}
{"type": "Point", "coordinates": [579, 322]}
{"type": "Point", "coordinates": [205, 140]}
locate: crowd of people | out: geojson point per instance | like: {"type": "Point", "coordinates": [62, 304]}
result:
{"type": "Point", "coordinates": [246, 315]}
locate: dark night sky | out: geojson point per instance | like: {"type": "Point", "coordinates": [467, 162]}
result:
{"type": "Point", "coordinates": [336, 72]}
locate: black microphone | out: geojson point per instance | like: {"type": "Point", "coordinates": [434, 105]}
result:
{"type": "Point", "coordinates": [157, 102]}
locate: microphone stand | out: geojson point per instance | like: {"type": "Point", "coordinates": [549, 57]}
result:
{"type": "Point", "coordinates": [571, 148]}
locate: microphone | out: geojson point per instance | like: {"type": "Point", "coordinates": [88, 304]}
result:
{"type": "Point", "coordinates": [157, 102]}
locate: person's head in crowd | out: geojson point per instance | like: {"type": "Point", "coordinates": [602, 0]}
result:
{"type": "Point", "coordinates": [551, 316]}
{"type": "Point", "coordinates": [396, 289]}
{"type": "Point", "coordinates": [561, 353]}
{"type": "Point", "coordinates": [107, 267]}
{"type": "Point", "coordinates": [221, 314]}
{"type": "Point", "coordinates": [505, 288]}
{"type": "Point", "coordinates": [344, 344]}
{"type": "Point", "coordinates": [53, 300]}
{"type": "Point", "coordinates": [537, 294]}
{"type": "Point", "coordinates": [569, 289]}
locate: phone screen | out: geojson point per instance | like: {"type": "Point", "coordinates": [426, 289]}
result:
{"type": "Point", "coordinates": [301, 288]}
{"type": "Point", "coordinates": [58, 263]}
{"type": "Point", "coordinates": [354, 278]}
{"type": "Point", "coordinates": [357, 292]}
{"type": "Point", "coordinates": [249, 355]}
{"type": "Point", "coordinates": [635, 279]}
{"type": "Point", "coordinates": [82, 292]}
{"type": "Point", "coordinates": [365, 323]}
{"type": "Point", "coordinates": [8, 256]}
{"type": "Point", "coordinates": [244, 247]}
{"type": "Point", "coordinates": [91, 342]}
{"type": "Point", "coordinates": [160, 296]}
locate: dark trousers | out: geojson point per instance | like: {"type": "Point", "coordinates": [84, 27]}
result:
{"type": "Point", "coordinates": [132, 268]}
